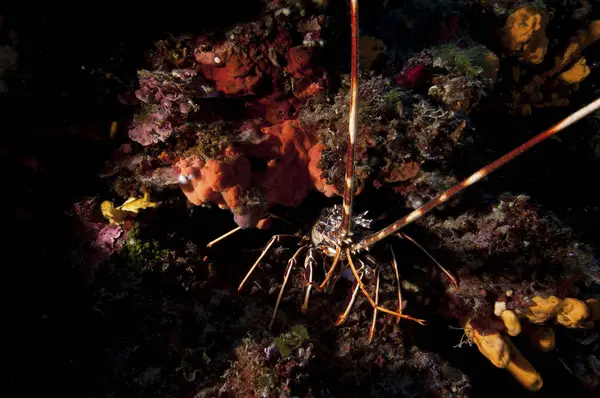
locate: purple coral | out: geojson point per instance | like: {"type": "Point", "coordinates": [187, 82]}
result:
{"type": "Point", "coordinates": [100, 239]}
{"type": "Point", "coordinates": [167, 101]}
{"type": "Point", "coordinates": [107, 239]}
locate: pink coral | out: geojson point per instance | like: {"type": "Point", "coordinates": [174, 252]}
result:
{"type": "Point", "coordinates": [107, 238]}
{"type": "Point", "coordinates": [100, 239]}
{"type": "Point", "coordinates": [410, 76]}
{"type": "Point", "coordinates": [167, 101]}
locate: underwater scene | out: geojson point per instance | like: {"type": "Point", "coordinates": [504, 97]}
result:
{"type": "Point", "coordinates": [302, 198]}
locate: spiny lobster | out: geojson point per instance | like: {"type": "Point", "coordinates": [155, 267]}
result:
{"type": "Point", "coordinates": [346, 237]}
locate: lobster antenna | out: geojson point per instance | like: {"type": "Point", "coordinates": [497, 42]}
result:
{"type": "Point", "coordinates": [370, 240]}
{"type": "Point", "coordinates": [345, 226]}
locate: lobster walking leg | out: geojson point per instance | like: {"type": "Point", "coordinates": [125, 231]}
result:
{"type": "Point", "coordinates": [266, 249]}
{"type": "Point", "coordinates": [309, 263]}
{"type": "Point", "coordinates": [372, 330]}
{"type": "Point", "coordinates": [288, 269]}
{"type": "Point", "coordinates": [440, 266]}
{"type": "Point", "coordinates": [344, 316]}
{"type": "Point", "coordinates": [398, 286]}
{"type": "Point", "coordinates": [225, 235]}
{"type": "Point", "coordinates": [331, 269]}
{"type": "Point", "coordinates": [371, 301]}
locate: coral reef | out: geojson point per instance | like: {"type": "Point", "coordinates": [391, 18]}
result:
{"type": "Point", "coordinates": [524, 37]}
{"type": "Point", "coordinates": [118, 215]}
{"type": "Point", "coordinates": [401, 129]}
{"type": "Point", "coordinates": [524, 34]}
{"type": "Point", "coordinates": [499, 291]}
{"type": "Point", "coordinates": [500, 350]}
{"type": "Point", "coordinates": [252, 118]}
{"type": "Point", "coordinates": [242, 165]}
{"type": "Point", "coordinates": [167, 102]}
{"type": "Point", "coordinates": [101, 240]}
{"type": "Point", "coordinates": [419, 116]}
{"type": "Point", "coordinates": [515, 225]}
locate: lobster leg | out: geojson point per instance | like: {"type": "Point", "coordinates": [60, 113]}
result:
{"type": "Point", "coordinates": [344, 316]}
{"type": "Point", "coordinates": [225, 235]}
{"type": "Point", "coordinates": [331, 269]}
{"type": "Point", "coordinates": [371, 301]}
{"type": "Point", "coordinates": [288, 269]}
{"type": "Point", "coordinates": [274, 238]}
{"type": "Point", "coordinates": [398, 286]}
{"type": "Point", "coordinates": [375, 237]}
{"type": "Point", "coordinates": [309, 261]}
{"type": "Point", "coordinates": [372, 329]}
{"type": "Point", "coordinates": [444, 270]}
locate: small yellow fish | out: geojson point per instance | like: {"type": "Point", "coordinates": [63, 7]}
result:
{"type": "Point", "coordinates": [114, 129]}
{"type": "Point", "coordinates": [118, 215]}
